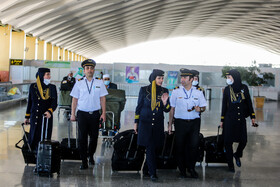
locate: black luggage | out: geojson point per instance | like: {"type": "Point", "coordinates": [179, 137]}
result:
{"type": "Point", "coordinates": [214, 147]}
{"type": "Point", "coordinates": [69, 146]}
{"type": "Point", "coordinates": [127, 155]}
{"type": "Point", "coordinates": [166, 156]}
{"type": "Point", "coordinates": [200, 148]}
{"type": "Point", "coordinates": [48, 155]}
{"type": "Point", "coordinates": [28, 154]}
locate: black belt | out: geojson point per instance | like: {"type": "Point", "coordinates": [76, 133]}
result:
{"type": "Point", "coordinates": [188, 120]}
{"type": "Point", "coordinates": [90, 112]}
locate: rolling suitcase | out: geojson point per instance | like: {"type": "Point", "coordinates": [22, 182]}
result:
{"type": "Point", "coordinates": [48, 154]}
{"type": "Point", "coordinates": [29, 155]}
{"type": "Point", "coordinates": [214, 147]}
{"type": "Point", "coordinates": [127, 155]}
{"type": "Point", "coordinates": [166, 157]}
{"type": "Point", "coordinates": [69, 146]}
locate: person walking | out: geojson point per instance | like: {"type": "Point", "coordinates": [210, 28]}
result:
{"type": "Point", "coordinates": [149, 119]}
{"type": "Point", "coordinates": [42, 100]}
{"type": "Point", "coordinates": [186, 105]}
{"type": "Point", "coordinates": [236, 106]}
{"type": "Point", "coordinates": [88, 97]}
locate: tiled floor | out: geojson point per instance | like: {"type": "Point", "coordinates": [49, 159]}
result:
{"type": "Point", "coordinates": [260, 163]}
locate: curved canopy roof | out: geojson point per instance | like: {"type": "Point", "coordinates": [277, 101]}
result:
{"type": "Point", "coordinates": [93, 27]}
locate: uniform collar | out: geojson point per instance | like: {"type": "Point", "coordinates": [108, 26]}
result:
{"type": "Point", "coordinates": [91, 79]}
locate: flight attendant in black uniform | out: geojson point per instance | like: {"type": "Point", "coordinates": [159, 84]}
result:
{"type": "Point", "coordinates": [42, 99]}
{"type": "Point", "coordinates": [149, 119]}
{"type": "Point", "coordinates": [237, 105]}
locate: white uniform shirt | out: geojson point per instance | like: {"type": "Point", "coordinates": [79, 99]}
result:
{"type": "Point", "coordinates": [89, 102]}
{"type": "Point", "coordinates": [186, 100]}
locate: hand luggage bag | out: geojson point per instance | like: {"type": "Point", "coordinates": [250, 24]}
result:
{"type": "Point", "coordinates": [200, 151]}
{"type": "Point", "coordinates": [166, 157]}
{"type": "Point", "coordinates": [69, 146]}
{"type": "Point", "coordinates": [127, 155]}
{"type": "Point", "coordinates": [48, 154]}
{"type": "Point", "coordinates": [214, 147]}
{"type": "Point", "coordinates": [28, 154]}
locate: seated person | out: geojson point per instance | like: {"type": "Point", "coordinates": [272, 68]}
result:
{"type": "Point", "coordinates": [108, 83]}
{"type": "Point", "coordinates": [14, 90]}
{"type": "Point", "coordinates": [68, 82]}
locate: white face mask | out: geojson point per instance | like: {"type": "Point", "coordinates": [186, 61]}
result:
{"type": "Point", "coordinates": [194, 83]}
{"type": "Point", "coordinates": [106, 83]}
{"type": "Point", "coordinates": [229, 82]}
{"type": "Point", "coordinates": [47, 81]}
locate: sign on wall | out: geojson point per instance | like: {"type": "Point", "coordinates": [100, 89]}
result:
{"type": "Point", "coordinates": [16, 62]}
{"type": "Point", "coordinates": [132, 74]}
{"type": "Point", "coordinates": [57, 64]}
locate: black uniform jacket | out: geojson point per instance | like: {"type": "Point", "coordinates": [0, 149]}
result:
{"type": "Point", "coordinates": [113, 86]}
{"type": "Point", "coordinates": [151, 123]}
{"type": "Point", "coordinates": [234, 115]}
{"type": "Point", "coordinates": [67, 85]}
{"type": "Point", "coordinates": [36, 107]}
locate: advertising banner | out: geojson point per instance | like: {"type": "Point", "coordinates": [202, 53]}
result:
{"type": "Point", "coordinates": [132, 74]}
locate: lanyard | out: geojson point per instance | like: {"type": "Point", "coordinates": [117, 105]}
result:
{"type": "Point", "coordinates": [187, 94]}
{"type": "Point", "coordinates": [89, 89]}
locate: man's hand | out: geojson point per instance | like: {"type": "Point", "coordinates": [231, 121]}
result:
{"type": "Point", "coordinates": [47, 114]}
{"type": "Point", "coordinates": [197, 109]}
{"type": "Point", "coordinates": [103, 116]}
{"type": "Point", "coordinates": [221, 125]}
{"type": "Point", "coordinates": [73, 117]}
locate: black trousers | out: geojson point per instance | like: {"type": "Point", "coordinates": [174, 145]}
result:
{"type": "Point", "coordinates": [186, 142]}
{"type": "Point", "coordinates": [36, 129]}
{"type": "Point", "coordinates": [88, 125]}
{"type": "Point", "coordinates": [239, 151]}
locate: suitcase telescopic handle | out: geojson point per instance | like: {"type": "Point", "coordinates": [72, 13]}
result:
{"type": "Point", "coordinates": [43, 126]}
{"type": "Point", "coordinates": [25, 137]}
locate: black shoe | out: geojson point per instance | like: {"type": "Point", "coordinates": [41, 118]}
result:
{"type": "Point", "coordinates": [231, 169]}
{"type": "Point", "coordinates": [193, 173]}
{"type": "Point", "coordinates": [182, 175]}
{"type": "Point", "coordinates": [237, 160]}
{"type": "Point", "coordinates": [84, 165]}
{"type": "Point", "coordinates": [154, 177]}
{"type": "Point", "coordinates": [91, 162]}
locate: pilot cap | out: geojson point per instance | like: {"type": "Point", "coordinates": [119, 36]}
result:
{"type": "Point", "coordinates": [186, 72]}
{"type": "Point", "coordinates": [195, 72]}
{"type": "Point", "coordinates": [88, 62]}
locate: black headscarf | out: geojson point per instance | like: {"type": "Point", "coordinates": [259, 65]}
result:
{"type": "Point", "coordinates": [41, 72]}
{"type": "Point", "coordinates": [237, 84]}
{"type": "Point", "coordinates": [43, 89]}
{"type": "Point", "coordinates": [154, 87]}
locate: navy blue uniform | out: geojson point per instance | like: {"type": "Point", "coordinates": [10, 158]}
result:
{"type": "Point", "coordinates": [36, 108]}
{"type": "Point", "coordinates": [112, 86]}
{"type": "Point", "coordinates": [234, 118]}
{"type": "Point", "coordinates": [151, 123]}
